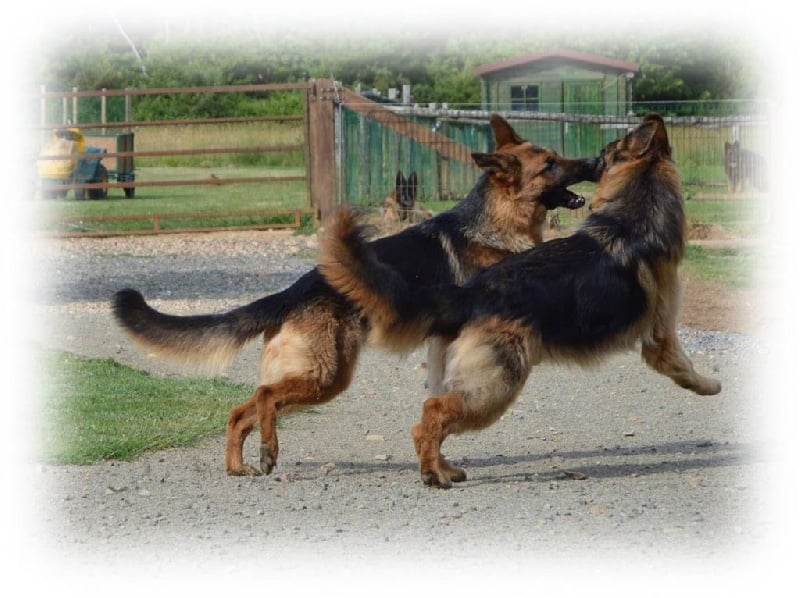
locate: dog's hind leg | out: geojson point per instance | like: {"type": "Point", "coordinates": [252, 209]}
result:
{"type": "Point", "coordinates": [294, 393]}
{"type": "Point", "coordinates": [241, 422]}
{"type": "Point", "coordinates": [310, 361]}
{"type": "Point", "coordinates": [272, 400]}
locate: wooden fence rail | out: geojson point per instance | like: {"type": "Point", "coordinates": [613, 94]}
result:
{"type": "Point", "coordinates": [131, 124]}
{"type": "Point", "coordinates": [76, 226]}
{"type": "Point", "coordinates": [380, 139]}
{"type": "Point", "coordinates": [127, 154]}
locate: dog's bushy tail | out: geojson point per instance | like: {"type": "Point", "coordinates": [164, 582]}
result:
{"type": "Point", "coordinates": [211, 341]}
{"type": "Point", "coordinates": [400, 316]}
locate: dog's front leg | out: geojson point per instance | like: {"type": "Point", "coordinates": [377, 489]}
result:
{"type": "Point", "coordinates": [439, 415]}
{"type": "Point", "coordinates": [666, 356]}
{"type": "Point", "coordinates": [437, 349]}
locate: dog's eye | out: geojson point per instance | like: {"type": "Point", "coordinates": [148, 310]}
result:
{"type": "Point", "coordinates": [549, 164]}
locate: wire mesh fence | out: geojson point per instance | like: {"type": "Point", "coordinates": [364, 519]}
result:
{"type": "Point", "coordinates": [722, 156]}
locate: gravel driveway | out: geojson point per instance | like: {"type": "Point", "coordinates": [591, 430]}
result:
{"type": "Point", "coordinates": [613, 474]}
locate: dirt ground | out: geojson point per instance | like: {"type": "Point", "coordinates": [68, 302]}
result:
{"type": "Point", "coordinates": [590, 471]}
{"type": "Point", "coordinates": [709, 306]}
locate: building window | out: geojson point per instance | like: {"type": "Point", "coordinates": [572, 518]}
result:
{"type": "Point", "coordinates": [525, 97]}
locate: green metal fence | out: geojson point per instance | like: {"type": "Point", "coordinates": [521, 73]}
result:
{"type": "Point", "coordinates": [370, 154]}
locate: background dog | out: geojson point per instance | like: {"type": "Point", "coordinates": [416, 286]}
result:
{"type": "Point", "coordinates": [313, 334]}
{"type": "Point", "coordinates": [609, 285]}
{"type": "Point", "coordinates": [744, 167]}
{"type": "Point", "coordinates": [401, 204]}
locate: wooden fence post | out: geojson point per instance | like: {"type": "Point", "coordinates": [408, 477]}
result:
{"type": "Point", "coordinates": [321, 143]}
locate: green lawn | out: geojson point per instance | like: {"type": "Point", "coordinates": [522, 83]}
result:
{"type": "Point", "coordinates": [733, 267]}
{"type": "Point", "coordinates": [197, 201]}
{"type": "Point", "coordinates": [98, 409]}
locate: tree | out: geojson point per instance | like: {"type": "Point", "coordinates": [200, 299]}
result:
{"type": "Point", "coordinates": [439, 68]}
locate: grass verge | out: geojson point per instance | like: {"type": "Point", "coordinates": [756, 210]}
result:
{"type": "Point", "coordinates": [733, 267]}
{"type": "Point", "coordinates": [98, 409]}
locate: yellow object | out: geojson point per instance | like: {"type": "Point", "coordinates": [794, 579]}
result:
{"type": "Point", "coordinates": [66, 143]}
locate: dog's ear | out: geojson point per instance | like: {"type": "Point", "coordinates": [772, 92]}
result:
{"type": "Point", "coordinates": [412, 184]}
{"type": "Point", "coordinates": [503, 133]}
{"type": "Point", "coordinates": [504, 167]}
{"type": "Point", "coordinates": [650, 137]}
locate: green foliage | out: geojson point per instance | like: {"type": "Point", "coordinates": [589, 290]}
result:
{"type": "Point", "coordinates": [439, 68]}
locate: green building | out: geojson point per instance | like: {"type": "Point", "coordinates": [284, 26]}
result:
{"type": "Point", "coordinates": [558, 81]}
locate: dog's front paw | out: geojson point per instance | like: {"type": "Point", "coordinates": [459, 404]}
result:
{"type": "Point", "coordinates": [707, 386]}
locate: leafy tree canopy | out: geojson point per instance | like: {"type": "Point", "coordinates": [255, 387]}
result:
{"type": "Point", "coordinates": [438, 67]}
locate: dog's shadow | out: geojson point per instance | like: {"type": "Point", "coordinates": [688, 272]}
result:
{"type": "Point", "coordinates": [602, 463]}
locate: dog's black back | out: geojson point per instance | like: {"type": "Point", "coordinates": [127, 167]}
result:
{"type": "Point", "coordinates": [416, 254]}
{"type": "Point", "coordinates": [550, 288]}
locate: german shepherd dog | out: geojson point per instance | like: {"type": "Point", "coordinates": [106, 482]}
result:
{"type": "Point", "coordinates": [313, 334]}
{"type": "Point", "coordinates": [401, 203]}
{"type": "Point", "coordinates": [743, 166]}
{"type": "Point", "coordinates": [575, 299]}
{"type": "Point", "coordinates": [402, 195]}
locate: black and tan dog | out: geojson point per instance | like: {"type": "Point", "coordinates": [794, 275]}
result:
{"type": "Point", "coordinates": [401, 204]}
{"type": "Point", "coordinates": [313, 335]}
{"type": "Point", "coordinates": [609, 285]}
{"type": "Point", "coordinates": [744, 167]}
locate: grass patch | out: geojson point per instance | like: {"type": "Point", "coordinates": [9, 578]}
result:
{"type": "Point", "coordinates": [733, 267]}
{"type": "Point", "coordinates": [157, 199]}
{"type": "Point", "coordinates": [98, 409]}
{"type": "Point", "coordinates": [737, 216]}
{"type": "Point", "coordinates": [233, 135]}
{"type": "Point", "coordinates": [198, 200]}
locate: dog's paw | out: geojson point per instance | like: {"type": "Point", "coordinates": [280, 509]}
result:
{"type": "Point", "coordinates": [243, 470]}
{"type": "Point", "coordinates": [436, 479]}
{"type": "Point", "coordinates": [268, 460]}
{"type": "Point", "coordinates": [707, 386]}
{"type": "Point", "coordinates": [453, 473]}
{"type": "Point", "coordinates": [457, 475]}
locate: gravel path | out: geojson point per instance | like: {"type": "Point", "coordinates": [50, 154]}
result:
{"type": "Point", "coordinates": [608, 474]}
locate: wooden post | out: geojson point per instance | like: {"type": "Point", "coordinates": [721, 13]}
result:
{"type": "Point", "coordinates": [128, 110]}
{"type": "Point", "coordinates": [75, 107]}
{"type": "Point", "coordinates": [103, 109]}
{"type": "Point", "coordinates": [321, 144]}
{"type": "Point", "coordinates": [43, 113]}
